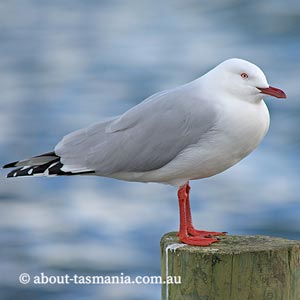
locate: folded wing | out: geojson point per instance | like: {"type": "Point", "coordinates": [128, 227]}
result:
{"type": "Point", "coordinates": [145, 138]}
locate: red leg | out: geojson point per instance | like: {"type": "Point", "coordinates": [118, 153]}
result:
{"type": "Point", "coordinates": [184, 236]}
{"type": "Point", "coordinates": [190, 227]}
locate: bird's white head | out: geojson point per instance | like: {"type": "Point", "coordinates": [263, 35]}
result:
{"type": "Point", "coordinates": [243, 80]}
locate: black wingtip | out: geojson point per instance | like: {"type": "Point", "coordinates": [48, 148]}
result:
{"type": "Point", "coordinates": [20, 172]}
{"type": "Point", "coordinates": [10, 165]}
{"type": "Point", "coordinates": [11, 174]}
{"type": "Point", "coordinates": [14, 164]}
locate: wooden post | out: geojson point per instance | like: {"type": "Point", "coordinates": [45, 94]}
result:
{"type": "Point", "coordinates": [236, 268]}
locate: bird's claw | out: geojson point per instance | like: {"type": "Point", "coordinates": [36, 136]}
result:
{"type": "Point", "coordinates": [192, 231]}
{"type": "Point", "coordinates": [198, 240]}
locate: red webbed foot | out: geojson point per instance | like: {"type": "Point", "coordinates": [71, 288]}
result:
{"type": "Point", "coordinates": [197, 240]}
{"type": "Point", "coordinates": [194, 232]}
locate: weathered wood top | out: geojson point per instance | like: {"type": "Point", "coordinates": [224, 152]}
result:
{"type": "Point", "coordinates": [237, 267]}
{"type": "Point", "coordinates": [233, 244]}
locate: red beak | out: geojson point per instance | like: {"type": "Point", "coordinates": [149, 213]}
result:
{"type": "Point", "coordinates": [272, 91]}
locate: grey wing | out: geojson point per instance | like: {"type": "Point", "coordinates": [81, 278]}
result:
{"type": "Point", "coordinates": [145, 138]}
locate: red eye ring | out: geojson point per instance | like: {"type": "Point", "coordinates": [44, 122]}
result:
{"type": "Point", "coordinates": [244, 75]}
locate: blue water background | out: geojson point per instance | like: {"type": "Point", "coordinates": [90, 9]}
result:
{"type": "Point", "coordinates": [66, 64]}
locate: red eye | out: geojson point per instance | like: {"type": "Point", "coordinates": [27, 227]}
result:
{"type": "Point", "coordinates": [244, 75]}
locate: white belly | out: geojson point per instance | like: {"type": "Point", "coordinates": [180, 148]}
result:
{"type": "Point", "coordinates": [233, 138]}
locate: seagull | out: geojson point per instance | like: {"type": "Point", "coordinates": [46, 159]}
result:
{"type": "Point", "coordinates": [190, 132]}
